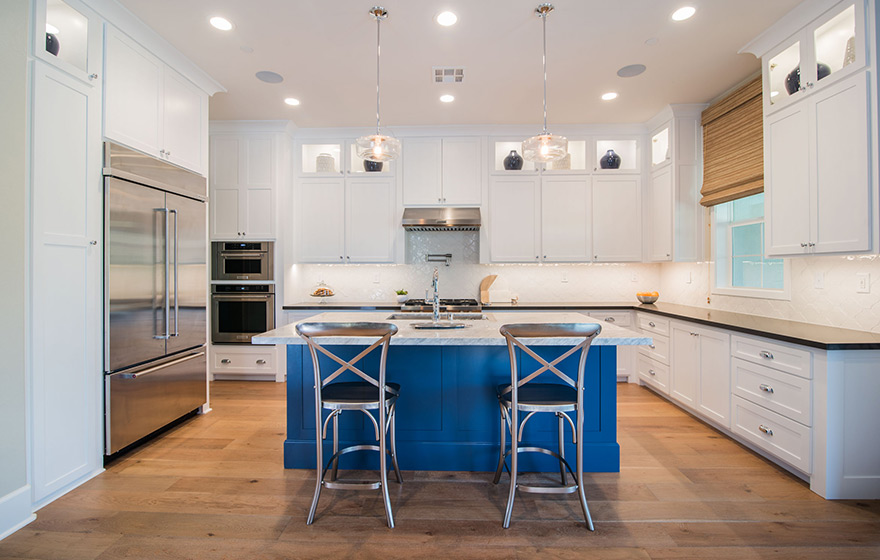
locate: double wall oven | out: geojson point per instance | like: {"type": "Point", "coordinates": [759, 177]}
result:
{"type": "Point", "coordinates": [242, 291]}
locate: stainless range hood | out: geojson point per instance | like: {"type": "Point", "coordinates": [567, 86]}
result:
{"type": "Point", "coordinates": [441, 219]}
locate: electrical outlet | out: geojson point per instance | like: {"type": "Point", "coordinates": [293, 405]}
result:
{"type": "Point", "coordinates": [565, 278]}
{"type": "Point", "coordinates": [375, 279]}
{"type": "Point", "coordinates": [634, 277]}
{"type": "Point", "coordinates": [819, 280]}
{"type": "Point", "coordinates": [863, 283]}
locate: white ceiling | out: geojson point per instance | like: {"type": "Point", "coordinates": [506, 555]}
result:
{"type": "Point", "coordinates": [326, 52]}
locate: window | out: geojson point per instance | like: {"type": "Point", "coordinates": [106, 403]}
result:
{"type": "Point", "coordinates": [740, 265]}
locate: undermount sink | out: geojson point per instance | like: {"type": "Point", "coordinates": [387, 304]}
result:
{"type": "Point", "coordinates": [439, 325]}
{"type": "Point", "coordinates": [443, 317]}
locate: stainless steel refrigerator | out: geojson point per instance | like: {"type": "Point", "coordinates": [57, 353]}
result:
{"type": "Point", "coordinates": [155, 294]}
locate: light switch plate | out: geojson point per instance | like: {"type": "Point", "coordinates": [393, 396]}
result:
{"type": "Point", "coordinates": [863, 283]}
{"type": "Point", "coordinates": [819, 280]}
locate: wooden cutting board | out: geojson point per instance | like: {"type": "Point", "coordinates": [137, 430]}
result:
{"type": "Point", "coordinates": [484, 288]}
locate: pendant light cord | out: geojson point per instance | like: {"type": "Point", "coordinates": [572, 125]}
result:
{"type": "Point", "coordinates": [378, 54]}
{"type": "Point", "coordinates": [544, 60]}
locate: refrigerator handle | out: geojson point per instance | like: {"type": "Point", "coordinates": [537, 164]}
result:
{"type": "Point", "coordinates": [167, 334]}
{"type": "Point", "coordinates": [176, 273]}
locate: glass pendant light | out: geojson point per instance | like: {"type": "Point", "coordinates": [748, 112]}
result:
{"type": "Point", "coordinates": [378, 147]}
{"type": "Point", "coordinates": [545, 146]}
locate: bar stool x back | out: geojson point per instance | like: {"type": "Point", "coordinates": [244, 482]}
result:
{"type": "Point", "coordinates": [523, 395]}
{"type": "Point", "coordinates": [337, 396]}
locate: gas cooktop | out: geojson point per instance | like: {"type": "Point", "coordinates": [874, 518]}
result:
{"type": "Point", "coordinates": [454, 305]}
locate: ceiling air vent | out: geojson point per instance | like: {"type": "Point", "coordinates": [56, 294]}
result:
{"type": "Point", "coordinates": [448, 75]}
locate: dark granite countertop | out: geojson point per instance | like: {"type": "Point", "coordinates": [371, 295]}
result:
{"type": "Point", "coordinates": [816, 336]}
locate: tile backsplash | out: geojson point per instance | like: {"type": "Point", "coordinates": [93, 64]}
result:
{"type": "Point", "coordinates": [836, 303]}
{"type": "Point", "coordinates": [461, 279]}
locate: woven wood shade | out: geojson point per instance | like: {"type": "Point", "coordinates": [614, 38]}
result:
{"type": "Point", "coordinates": [733, 146]}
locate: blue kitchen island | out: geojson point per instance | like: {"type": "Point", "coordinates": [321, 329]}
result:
{"type": "Point", "coordinates": [447, 414]}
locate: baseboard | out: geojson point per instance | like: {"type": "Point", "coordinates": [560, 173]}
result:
{"type": "Point", "coordinates": [15, 511]}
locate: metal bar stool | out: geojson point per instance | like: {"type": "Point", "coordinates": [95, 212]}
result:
{"type": "Point", "coordinates": [524, 396]}
{"type": "Point", "coordinates": [360, 395]}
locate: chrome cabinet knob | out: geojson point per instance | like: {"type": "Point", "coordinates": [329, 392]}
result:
{"type": "Point", "coordinates": [652, 347]}
{"type": "Point", "coordinates": [93, 242]}
{"type": "Point", "coordinates": [93, 76]}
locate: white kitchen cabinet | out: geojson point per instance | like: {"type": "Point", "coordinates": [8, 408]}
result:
{"type": "Point", "coordinates": [247, 362]}
{"type": "Point", "coordinates": [244, 186]}
{"type": "Point", "coordinates": [700, 370]}
{"type": "Point", "coordinates": [442, 171]}
{"type": "Point", "coordinates": [616, 219]}
{"type": "Point", "coordinates": [661, 210]}
{"type": "Point", "coordinates": [514, 218]}
{"type": "Point", "coordinates": [66, 385]}
{"type": "Point", "coordinates": [150, 107]}
{"type": "Point", "coordinates": [626, 355]}
{"type": "Point", "coordinates": [346, 220]}
{"type": "Point", "coordinates": [817, 172]}
{"type": "Point", "coordinates": [565, 215]}
{"type": "Point", "coordinates": [77, 33]}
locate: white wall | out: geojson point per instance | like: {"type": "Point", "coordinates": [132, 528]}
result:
{"type": "Point", "coordinates": [837, 304]}
{"type": "Point", "coordinates": [14, 494]}
{"type": "Point", "coordinates": [531, 282]}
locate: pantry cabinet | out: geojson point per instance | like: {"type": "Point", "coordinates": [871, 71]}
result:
{"type": "Point", "coordinates": [346, 221]}
{"type": "Point", "coordinates": [244, 185]}
{"type": "Point", "coordinates": [152, 108]}
{"type": "Point", "coordinates": [817, 172]}
{"type": "Point", "coordinates": [442, 171]}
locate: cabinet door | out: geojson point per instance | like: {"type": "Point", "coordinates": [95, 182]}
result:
{"type": "Point", "coordinates": [184, 122]}
{"type": "Point", "coordinates": [565, 219]}
{"type": "Point", "coordinates": [133, 92]}
{"type": "Point", "coordinates": [841, 216]}
{"type": "Point", "coordinates": [514, 219]}
{"type": "Point", "coordinates": [661, 215]}
{"type": "Point", "coordinates": [422, 168]}
{"type": "Point", "coordinates": [321, 220]}
{"type": "Point", "coordinates": [787, 181]}
{"type": "Point", "coordinates": [225, 178]}
{"type": "Point", "coordinates": [66, 387]}
{"type": "Point", "coordinates": [462, 171]}
{"type": "Point", "coordinates": [370, 221]}
{"type": "Point", "coordinates": [78, 35]}
{"type": "Point", "coordinates": [257, 216]}
{"type": "Point", "coordinates": [685, 364]}
{"type": "Point", "coordinates": [617, 232]}
{"type": "Point", "coordinates": [713, 397]}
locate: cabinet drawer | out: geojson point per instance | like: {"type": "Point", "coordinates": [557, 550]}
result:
{"type": "Point", "coordinates": [654, 373]}
{"type": "Point", "coordinates": [243, 362]}
{"type": "Point", "coordinates": [771, 354]}
{"type": "Point", "coordinates": [659, 350]}
{"type": "Point", "coordinates": [653, 324]}
{"type": "Point", "coordinates": [781, 392]}
{"type": "Point", "coordinates": [775, 434]}
{"type": "Point", "coordinates": [619, 318]}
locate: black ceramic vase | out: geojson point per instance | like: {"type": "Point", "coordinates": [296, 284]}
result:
{"type": "Point", "coordinates": [610, 160]}
{"type": "Point", "coordinates": [513, 161]}
{"type": "Point", "coordinates": [793, 80]}
{"type": "Point", "coordinates": [372, 165]}
{"type": "Point", "coordinates": [52, 44]}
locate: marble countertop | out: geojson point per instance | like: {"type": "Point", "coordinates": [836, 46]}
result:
{"type": "Point", "coordinates": [477, 333]}
{"type": "Point", "coordinates": [816, 336]}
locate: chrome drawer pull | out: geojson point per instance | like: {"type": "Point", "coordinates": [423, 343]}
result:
{"type": "Point", "coordinates": [765, 430]}
{"type": "Point", "coordinates": [225, 361]}
{"type": "Point", "coordinates": [652, 347]}
{"type": "Point", "coordinates": [609, 319]}
{"type": "Point", "coordinates": [651, 324]}
{"type": "Point", "coordinates": [766, 388]}
{"type": "Point", "coordinates": [261, 362]}
{"type": "Point", "coordinates": [652, 372]}
{"type": "Point", "coordinates": [765, 354]}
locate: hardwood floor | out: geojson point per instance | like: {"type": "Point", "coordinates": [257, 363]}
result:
{"type": "Point", "coordinates": [214, 488]}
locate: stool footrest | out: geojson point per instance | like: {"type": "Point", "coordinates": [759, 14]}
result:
{"type": "Point", "coordinates": [352, 485]}
{"type": "Point", "coordinates": [547, 489]}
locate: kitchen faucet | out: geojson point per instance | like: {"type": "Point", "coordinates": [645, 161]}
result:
{"type": "Point", "coordinates": [436, 286]}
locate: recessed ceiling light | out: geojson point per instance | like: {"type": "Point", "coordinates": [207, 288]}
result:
{"type": "Point", "coordinates": [269, 77]}
{"type": "Point", "coordinates": [447, 98]}
{"type": "Point", "coordinates": [684, 13]}
{"type": "Point", "coordinates": [51, 29]}
{"type": "Point", "coordinates": [221, 23]}
{"type": "Point", "coordinates": [652, 41]}
{"type": "Point", "coordinates": [632, 70]}
{"type": "Point", "coordinates": [292, 101]}
{"type": "Point", "coordinates": [446, 19]}
{"type": "Point", "coordinates": [609, 96]}
{"type": "Point", "coordinates": [246, 49]}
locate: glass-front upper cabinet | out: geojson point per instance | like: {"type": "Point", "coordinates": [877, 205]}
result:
{"type": "Point", "coordinates": [620, 155]}
{"type": "Point", "coordinates": [507, 158]}
{"type": "Point", "coordinates": [68, 35]}
{"type": "Point", "coordinates": [660, 147]}
{"type": "Point", "coordinates": [830, 47]}
{"type": "Point", "coordinates": [328, 157]}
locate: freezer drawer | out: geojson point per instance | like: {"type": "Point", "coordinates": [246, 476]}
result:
{"type": "Point", "coordinates": [142, 400]}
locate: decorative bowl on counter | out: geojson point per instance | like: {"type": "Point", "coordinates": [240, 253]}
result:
{"type": "Point", "coordinates": [647, 297]}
